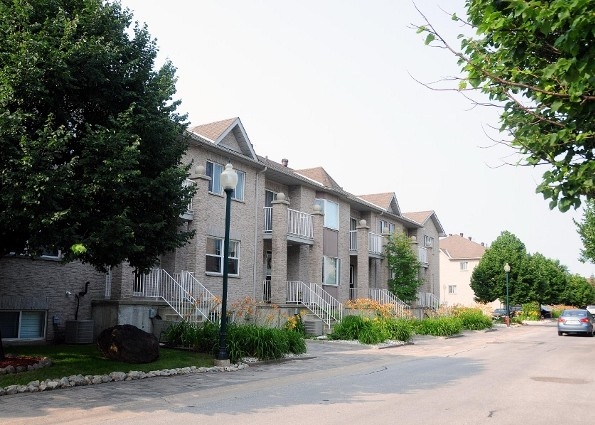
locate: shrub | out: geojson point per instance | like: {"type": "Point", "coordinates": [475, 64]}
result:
{"type": "Point", "coordinates": [242, 340]}
{"type": "Point", "coordinates": [473, 318]}
{"type": "Point", "coordinates": [439, 326]}
{"type": "Point", "coordinates": [348, 329]}
{"type": "Point", "coordinates": [400, 329]}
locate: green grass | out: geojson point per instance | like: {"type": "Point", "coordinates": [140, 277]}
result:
{"type": "Point", "coordinates": [87, 360]}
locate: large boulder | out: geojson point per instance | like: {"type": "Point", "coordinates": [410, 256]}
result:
{"type": "Point", "coordinates": [129, 344]}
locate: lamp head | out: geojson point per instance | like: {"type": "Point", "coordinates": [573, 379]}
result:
{"type": "Point", "coordinates": [229, 178]}
{"type": "Point", "coordinates": [506, 267]}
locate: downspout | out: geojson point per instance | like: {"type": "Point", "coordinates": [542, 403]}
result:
{"type": "Point", "coordinates": [256, 221]}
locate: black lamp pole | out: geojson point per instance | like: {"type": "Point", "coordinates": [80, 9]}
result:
{"type": "Point", "coordinates": [229, 180]}
{"type": "Point", "coordinates": [507, 271]}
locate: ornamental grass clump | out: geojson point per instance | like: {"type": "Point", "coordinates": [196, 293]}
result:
{"type": "Point", "coordinates": [246, 340]}
{"type": "Point", "coordinates": [472, 318]}
{"type": "Point", "coordinates": [439, 326]}
{"type": "Point", "coordinates": [372, 331]}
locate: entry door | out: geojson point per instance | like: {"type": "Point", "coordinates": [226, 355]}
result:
{"type": "Point", "coordinates": [352, 280]}
{"type": "Point", "coordinates": [268, 267]}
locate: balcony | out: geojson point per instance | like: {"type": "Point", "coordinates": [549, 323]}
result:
{"type": "Point", "coordinates": [423, 256]}
{"type": "Point", "coordinates": [299, 224]}
{"type": "Point", "coordinates": [189, 214]}
{"type": "Point", "coordinates": [375, 245]}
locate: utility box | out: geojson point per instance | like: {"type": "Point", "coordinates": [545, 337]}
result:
{"type": "Point", "coordinates": [79, 332]}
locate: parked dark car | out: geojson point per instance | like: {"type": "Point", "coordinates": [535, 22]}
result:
{"type": "Point", "coordinates": [498, 313]}
{"type": "Point", "coordinates": [575, 321]}
{"type": "Point", "coordinates": [546, 312]}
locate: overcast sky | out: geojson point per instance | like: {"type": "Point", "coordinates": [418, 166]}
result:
{"type": "Point", "coordinates": [331, 83]}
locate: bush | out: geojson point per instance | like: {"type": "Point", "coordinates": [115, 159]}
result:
{"type": "Point", "coordinates": [372, 331]}
{"type": "Point", "coordinates": [439, 326]}
{"type": "Point", "coordinates": [473, 319]}
{"type": "Point", "coordinates": [242, 340]}
{"type": "Point", "coordinates": [348, 329]}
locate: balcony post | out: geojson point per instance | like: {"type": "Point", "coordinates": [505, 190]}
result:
{"type": "Point", "coordinates": [316, 252]}
{"type": "Point", "coordinates": [193, 254]}
{"type": "Point", "coordinates": [279, 249]}
{"type": "Point", "coordinates": [363, 259]}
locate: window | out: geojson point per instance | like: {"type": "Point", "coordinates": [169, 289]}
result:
{"type": "Point", "coordinates": [428, 241]}
{"type": "Point", "coordinates": [452, 289]}
{"type": "Point", "coordinates": [331, 213]}
{"type": "Point", "coordinates": [331, 270]}
{"type": "Point", "coordinates": [464, 265]}
{"type": "Point", "coordinates": [215, 257]}
{"type": "Point", "coordinates": [22, 324]}
{"type": "Point", "coordinates": [214, 171]}
{"type": "Point", "coordinates": [385, 227]}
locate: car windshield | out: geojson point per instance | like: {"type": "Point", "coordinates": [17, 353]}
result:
{"type": "Point", "coordinates": [574, 313]}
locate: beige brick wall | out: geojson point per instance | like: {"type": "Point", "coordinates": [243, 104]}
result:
{"type": "Point", "coordinates": [48, 279]}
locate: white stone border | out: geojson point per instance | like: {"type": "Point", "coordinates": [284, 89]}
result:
{"type": "Point", "coordinates": [80, 380]}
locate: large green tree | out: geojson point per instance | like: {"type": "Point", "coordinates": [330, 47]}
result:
{"type": "Point", "coordinates": [586, 230]}
{"type": "Point", "coordinates": [535, 59]}
{"type": "Point", "coordinates": [403, 267]}
{"type": "Point", "coordinates": [541, 280]}
{"type": "Point", "coordinates": [90, 140]}
{"type": "Point", "coordinates": [488, 279]}
{"type": "Point", "coordinates": [578, 292]}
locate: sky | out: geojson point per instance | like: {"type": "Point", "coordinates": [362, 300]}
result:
{"type": "Point", "coordinates": [336, 83]}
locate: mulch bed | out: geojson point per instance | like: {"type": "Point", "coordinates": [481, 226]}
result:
{"type": "Point", "coordinates": [16, 361]}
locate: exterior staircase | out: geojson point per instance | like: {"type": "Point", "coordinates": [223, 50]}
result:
{"type": "Point", "coordinates": [190, 300]}
{"type": "Point", "coordinates": [317, 300]}
{"type": "Point", "coordinates": [384, 296]}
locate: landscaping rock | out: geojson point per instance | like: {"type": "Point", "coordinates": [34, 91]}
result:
{"type": "Point", "coordinates": [129, 344]}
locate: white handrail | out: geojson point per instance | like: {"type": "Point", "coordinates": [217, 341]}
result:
{"type": "Point", "coordinates": [183, 293]}
{"type": "Point", "coordinates": [427, 299]}
{"type": "Point", "coordinates": [384, 296]}
{"type": "Point", "coordinates": [316, 299]}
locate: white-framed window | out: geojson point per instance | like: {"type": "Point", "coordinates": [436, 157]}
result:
{"type": "Point", "coordinates": [331, 270]}
{"type": "Point", "coordinates": [428, 241]}
{"type": "Point", "coordinates": [464, 265]}
{"type": "Point", "coordinates": [331, 213]}
{"type": "Point", "coordinates": [46, 254]}
{"type": "Point", "coordinates": [452, 289]}
{"type": "Point", "coordinates": [23, 324]}
{"type": "Point", "coordinates": [386, 227]}
{"type": "Point", "coordinates": [214, 171]}
{"type": "Point", "coordinates": [215, 257]}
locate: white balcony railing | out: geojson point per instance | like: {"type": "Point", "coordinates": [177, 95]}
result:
{"type": "Point", "coordinates": [187, 183]}
{"type": "Point", "coordinates": [375, 243]}
{"type": "Point", "coordinates": [423, 256]}
{"type": "Point", "coordinates": [268, 219]}
{"type": "Point", "coordinates": [353, 240]}
{"type": "Point", "coordinates": [298, 223]}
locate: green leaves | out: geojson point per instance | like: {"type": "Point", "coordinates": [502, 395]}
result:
{"type": "Point", "coordinates": [90, 134]}
{"type": "Point", "coordinates": [537, 60]}
{"type": "Point", "coordinates": [403, 266]}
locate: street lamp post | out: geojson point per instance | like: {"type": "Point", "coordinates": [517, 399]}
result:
{"type": "Point", "coordinates": [507, 270]}
{"type": "Point", "coordinates": [229, 180]}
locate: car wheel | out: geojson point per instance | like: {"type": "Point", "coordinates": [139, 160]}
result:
{"type": "Point", "coordinates": [559, 333]}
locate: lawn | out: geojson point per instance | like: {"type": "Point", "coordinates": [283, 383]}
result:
{"type": "Point", "coordinates": [86, 359]}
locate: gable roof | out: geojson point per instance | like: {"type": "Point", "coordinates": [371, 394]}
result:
{"type": "Point", "coordinates": [227, 133]}
{"type": "Point", "coordinates": [319, 174]}
{"type": "Point", "coordinates": [457, 247]}
{"type": "Point", "coordinates": [422, 218]}
{"type": "Point", "coordinates": [387, 201]}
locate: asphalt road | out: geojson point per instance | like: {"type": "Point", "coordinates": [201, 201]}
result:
{"type": "Point", "coordinates": [513, 375]}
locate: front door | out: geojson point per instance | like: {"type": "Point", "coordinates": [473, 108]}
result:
{"type": "Point", "coordinates": [266, 288]}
